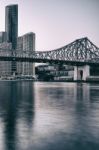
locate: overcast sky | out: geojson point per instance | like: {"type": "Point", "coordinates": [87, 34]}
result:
{"type": "Point", "coordinates": [56, 22]}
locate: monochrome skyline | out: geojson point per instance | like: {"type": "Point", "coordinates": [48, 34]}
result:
{"type": "Point", "coordinates": [56, 22]}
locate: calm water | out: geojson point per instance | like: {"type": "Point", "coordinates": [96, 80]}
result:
{"type": "Point", "coordinates": [49, 116]}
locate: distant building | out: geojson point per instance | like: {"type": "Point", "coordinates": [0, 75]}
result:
{"type": "Point", "coordinates": [46, 67]}
{"type": "Point", "coordinates": [29, 46]}
{"type": "Point", "coordinates": [5, 66]}
{"type": "Point", "coordinates": [26, 43]}
{"type": "Point", "coordinates": [11, 28]}
{"type": "Point", "coordinates": [2, 37]}
{"type": "Point", "coordinates": [6, 46]}
{"type": "Point", "coordinates": [20, 43]}
{"type": "Point", "coordinates": [10, 41]}
{"type": "Point", "coordinates": [58, 73]}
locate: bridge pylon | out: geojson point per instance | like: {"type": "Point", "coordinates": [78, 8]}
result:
{"type": "Point", "coordinates": [81, 72]}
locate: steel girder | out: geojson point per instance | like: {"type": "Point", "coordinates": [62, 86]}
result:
{"type": "Point", "coordinates": [81, 50]}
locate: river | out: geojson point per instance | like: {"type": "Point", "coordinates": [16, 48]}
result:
{"type": "Point", "coordinates": [49, 116]}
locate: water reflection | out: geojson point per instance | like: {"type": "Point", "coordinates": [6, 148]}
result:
{"type": "Point", "coordinates": [10, 120]}
{"type": "Point", "coordinates": [49, 116]}
{"type": "Point", "coordinates": [87, 121]}
{"type": "Point", "coordinates": [17, 108]}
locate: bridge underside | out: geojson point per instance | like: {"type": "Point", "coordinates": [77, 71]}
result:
{"type": "Point", "coordinates": [52, 61]}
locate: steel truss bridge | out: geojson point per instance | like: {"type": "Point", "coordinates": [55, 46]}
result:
{"type": "Point", "coordinates": [80, 52]}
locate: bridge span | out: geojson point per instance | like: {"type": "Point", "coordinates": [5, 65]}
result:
{"type": "Point", "coordinates": [81, 53]}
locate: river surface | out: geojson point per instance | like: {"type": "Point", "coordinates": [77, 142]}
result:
{"type": "Point", "coordinates": [49, 116]}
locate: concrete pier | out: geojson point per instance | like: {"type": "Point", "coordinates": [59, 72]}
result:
{"type": "Point", "coordinates": [81, 72]}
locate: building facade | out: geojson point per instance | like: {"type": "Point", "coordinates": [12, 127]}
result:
{"type": "Point", "coordinates": [26, 43]}
{"type": "Point", "coordinates": [19, 48]}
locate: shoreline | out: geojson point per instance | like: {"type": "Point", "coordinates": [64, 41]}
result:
{"type": "Point", "coordinates": [71, 81]}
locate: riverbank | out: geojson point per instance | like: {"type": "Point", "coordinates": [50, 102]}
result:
{"type": "Point", "coordinates": [67, 79]}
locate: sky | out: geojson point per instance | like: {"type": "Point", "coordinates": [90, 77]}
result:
{"type": "Point", "coordinates": [56, 23]}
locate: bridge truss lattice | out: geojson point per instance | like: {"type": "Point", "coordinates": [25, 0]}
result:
{"type": "Point", "coordinates": [80, 51]}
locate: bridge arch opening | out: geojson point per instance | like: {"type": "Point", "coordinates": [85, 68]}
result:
{"type": "Point", "coordinates": [81, 74]}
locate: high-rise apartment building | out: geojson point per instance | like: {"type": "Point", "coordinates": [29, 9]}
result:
{"type": "Point", "coordinates": [29, 46]}
{"type": "Point", "coordinates": [11, 28]}
{"type": "Point", "coordinates": [26, 43]}
{"type": "Point", "coordinates": [11, 24]}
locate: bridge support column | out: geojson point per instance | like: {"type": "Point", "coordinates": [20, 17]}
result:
{"type": "Point", "coordinates": [81, 72]}
{"type": "Point", "coordinates": [75, 73]}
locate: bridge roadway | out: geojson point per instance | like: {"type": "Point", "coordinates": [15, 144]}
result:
{"type": "Point", "coordinates": [53, 61]}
